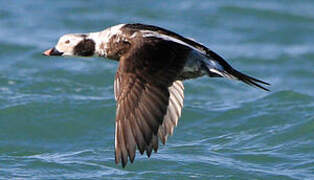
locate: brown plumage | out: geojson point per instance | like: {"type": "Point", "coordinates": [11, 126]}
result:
{"type": "Point", "coordinates": [144, 75]}
{"type": "Point", "coordinates": [148, 87]}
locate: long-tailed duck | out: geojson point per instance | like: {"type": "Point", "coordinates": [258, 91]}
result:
{"type": "Point", "coordinates": [148, 84]}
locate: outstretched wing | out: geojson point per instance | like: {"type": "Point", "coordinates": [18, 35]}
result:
{"type": "Point", "coordinates": [147, 95]}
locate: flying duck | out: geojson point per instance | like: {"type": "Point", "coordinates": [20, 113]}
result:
{"type": "Point", "coordinates": [148, 85]}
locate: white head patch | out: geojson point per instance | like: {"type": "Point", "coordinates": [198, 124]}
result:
{"type": "Point", "coordinates": [67, 43]}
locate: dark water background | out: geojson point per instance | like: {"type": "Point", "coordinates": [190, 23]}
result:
{"type": "Point", "coordinates": [57, 114]}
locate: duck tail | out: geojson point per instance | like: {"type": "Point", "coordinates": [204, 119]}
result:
{"type": "Point", "coordinates": [216, 66]}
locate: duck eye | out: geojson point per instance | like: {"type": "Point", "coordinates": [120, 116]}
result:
{"type": "Point", "coordinates": [67, 41]}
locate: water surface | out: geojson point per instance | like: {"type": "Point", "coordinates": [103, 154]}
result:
{"type": "Point", "coordinates": [57, 114]}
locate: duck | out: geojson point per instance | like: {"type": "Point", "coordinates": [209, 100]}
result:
{"type": "Point", "coordinates": [148, 88]}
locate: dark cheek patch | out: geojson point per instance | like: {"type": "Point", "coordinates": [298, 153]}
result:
{"type": "Point", "coordinates": [85, 48]}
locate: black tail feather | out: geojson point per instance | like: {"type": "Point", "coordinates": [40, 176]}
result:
{"type": "Point", "coordinates": [249, 80]}
{"type": "Point", "coordinates": [231, 73]}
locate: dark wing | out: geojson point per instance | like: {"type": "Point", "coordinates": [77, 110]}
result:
{"type": "Point", "coordinates": [144, 77]}
{"type": "Point", "coordinates": [227, 71]}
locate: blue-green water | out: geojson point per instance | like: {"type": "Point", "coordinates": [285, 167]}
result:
{"type": "Point", "coordinates": [57, 114]}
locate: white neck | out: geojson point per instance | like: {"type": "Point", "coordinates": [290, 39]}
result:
{"type": "Point", "coordinates": [102, 38]}
{"type": "Point", "coordinates": [100, 42]}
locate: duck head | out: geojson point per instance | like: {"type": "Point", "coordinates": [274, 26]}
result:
{"type": "Point", "coordinates": [73, 45]}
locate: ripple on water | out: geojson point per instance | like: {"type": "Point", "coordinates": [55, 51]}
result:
{"type": "Point", "coordinates": [57, 114]}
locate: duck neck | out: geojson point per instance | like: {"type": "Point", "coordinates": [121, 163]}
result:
{"type": "Point", "coordinates": [100, 43]}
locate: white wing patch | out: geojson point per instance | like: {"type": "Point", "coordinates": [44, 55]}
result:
{"type": "Point", "coordinates": [116, 87]}
{"type": "Point", "coordinates": [147, 33]}
{"type": "Point", "coordinates": [173, 111]}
